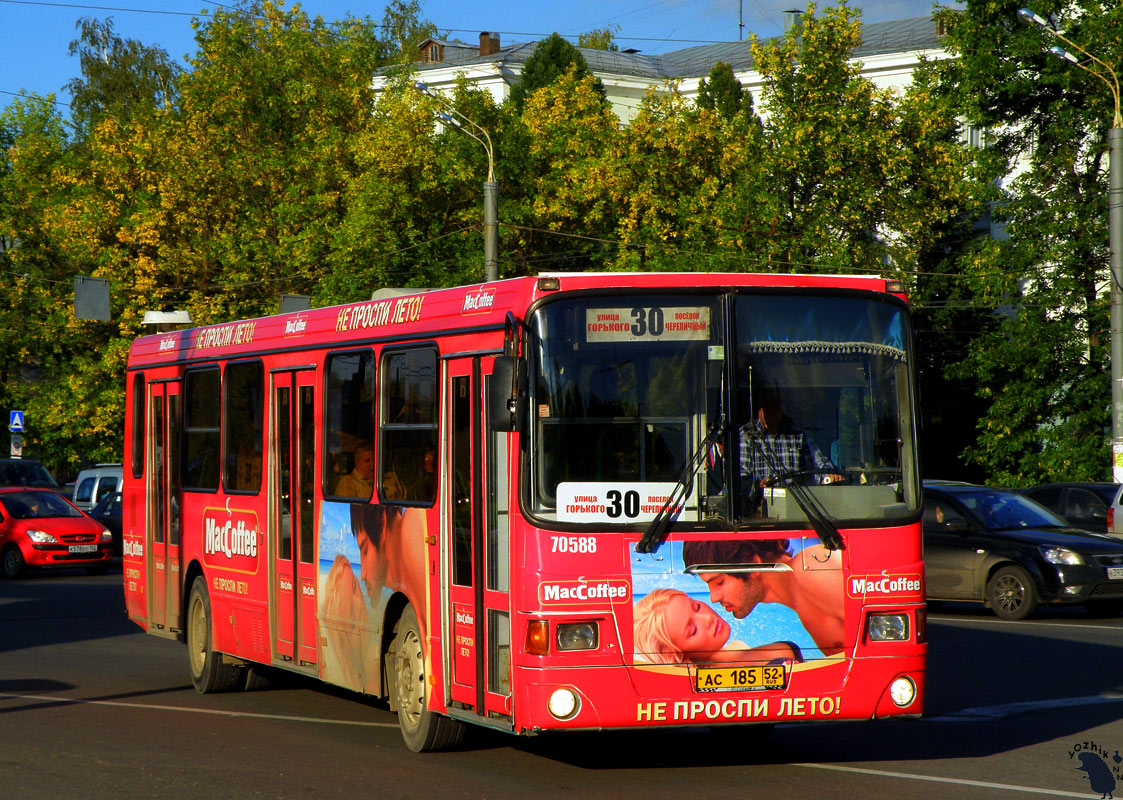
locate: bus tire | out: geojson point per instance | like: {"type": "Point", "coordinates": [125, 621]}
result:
{"type": "Point", "coordinates": [1012, 594]}
{"type": "Point", "coordinates": [423, 730]}
{"type": "Point", "coordinates": [209, 672]}
{"type": "Point", "coordinates": [255, 678]}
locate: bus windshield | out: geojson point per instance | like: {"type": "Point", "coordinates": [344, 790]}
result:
{"type": "Point", "coordinates": [809, 390]}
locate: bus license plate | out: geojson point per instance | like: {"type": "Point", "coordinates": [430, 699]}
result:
{"type": "Point", "coordinates": [1115, 573]}
{"type": "Point", "coordinates": [713, 680]}
{"type": "Point", "coordinates": [83, 548]}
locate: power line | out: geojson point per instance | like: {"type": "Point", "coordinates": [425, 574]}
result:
{"type": "Point", "coordinates": [439, 27]}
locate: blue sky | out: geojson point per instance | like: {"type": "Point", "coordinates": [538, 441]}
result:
{"type": "Point", "coordinates": [36, 33]}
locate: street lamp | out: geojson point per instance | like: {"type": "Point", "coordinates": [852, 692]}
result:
{"type": "Point", "coordinates": [457, 120]}
{"type": "Point", "coordinates": [1105, 73]}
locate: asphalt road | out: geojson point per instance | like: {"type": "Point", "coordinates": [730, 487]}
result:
{"type": "Point", "coordinates": [90, 707]}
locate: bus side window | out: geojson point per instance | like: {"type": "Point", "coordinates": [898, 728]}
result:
{"type": "Point", "coordinates": [349, 416]}
{"type": "Point", "coordinates": [409, 427]}
{"type": "Point", "coordinates": [244, 412]}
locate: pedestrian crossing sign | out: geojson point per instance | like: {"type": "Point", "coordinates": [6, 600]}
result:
{"type": "Point", "coordinates": [15, 422]}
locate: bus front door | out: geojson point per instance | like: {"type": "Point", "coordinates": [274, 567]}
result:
{"type": "Point", "coordinates": [162, 524]}
{"type": "Point", "coordinates": [292, 512]}
{"type": "Point", "coordinates": [477, 628]}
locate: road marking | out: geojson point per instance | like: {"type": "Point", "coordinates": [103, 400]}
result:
{"type": "Point", "coordinates": [217, 712]}
{"type": "Point", "coordinates": [1009, 787]}
{"type": "Point", "coordinates": [980, 713]}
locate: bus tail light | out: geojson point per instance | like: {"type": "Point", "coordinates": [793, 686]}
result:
{"type": "Point", "coordinates": [888, 627]}
{"type": "Point", "coordinates": [578, 635]}
{"type": "Point", "coordinates": [538, 637]}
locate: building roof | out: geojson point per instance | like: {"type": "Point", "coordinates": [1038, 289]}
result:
{"type": "Point", "coordinates": [878, 38]}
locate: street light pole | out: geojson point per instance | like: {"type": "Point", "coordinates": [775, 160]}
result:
{"type": "Point", "coordinates": [1098, 68]}
{"type": "Point", "coordinates": [491, 187]}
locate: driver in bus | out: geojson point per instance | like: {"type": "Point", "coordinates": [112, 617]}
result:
{"type": "Point", "coordinates": [773, 448]}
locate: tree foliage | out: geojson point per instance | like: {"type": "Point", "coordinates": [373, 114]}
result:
{"type": "Point", "coordinates": [553, 57]}
{"type": "Point", "coordinates": [1042, 373]}
{"type": "Point", "coordinates": [273, 167]}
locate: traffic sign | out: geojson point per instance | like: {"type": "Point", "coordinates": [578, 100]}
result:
{"type": "Point", "coordinates": [17, 445]}
{"type": "Point", "coordinates": [15, 421]}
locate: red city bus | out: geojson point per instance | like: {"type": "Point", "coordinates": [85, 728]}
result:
{"type": "Point", "coordinates": [576, 501]}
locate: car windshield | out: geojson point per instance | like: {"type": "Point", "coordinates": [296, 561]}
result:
{"type": "Point", "coordinates": [37, 505]}
{"type": "Point", "coordinates": [1004, 510]}
{"type": "Point", "coordinates": [25, 473]}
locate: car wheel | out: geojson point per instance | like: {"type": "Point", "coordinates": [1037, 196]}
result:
{"type": "Point", "coordinates": [422, 729]}
{"type": "Point", "coordinates": [1012, 593]}
{"type": "Point", "coordinates": [13, 562]}
{"type": "Point", "coordinates": [209, 673]}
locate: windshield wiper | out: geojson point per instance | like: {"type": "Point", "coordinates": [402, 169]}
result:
{"type": "Point", "coordinates": [808, 504]}
{"type": "Point", "coordinates": [659, 527]}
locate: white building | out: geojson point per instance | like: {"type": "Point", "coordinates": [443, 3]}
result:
{"type": "Point", "coordinates": [888, 54]}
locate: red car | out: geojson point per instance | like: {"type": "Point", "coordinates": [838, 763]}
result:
{"type": "Point", "coordinates": [39, 528]}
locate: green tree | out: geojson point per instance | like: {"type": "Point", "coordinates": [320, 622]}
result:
{"type": "Point", "coordinates": [118, 75]}
{"type": "Point", "coordinates": [721, 92]}
{"type": "Point", "coordinates": [1042, 370]}
{"type": "Point", "coordinates": [600, 39]}
{"type": "Point", "coordinates": [552, 58]}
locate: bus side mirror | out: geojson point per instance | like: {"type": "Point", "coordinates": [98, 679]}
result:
{"type": "Point", "coordinates": [507, 398]}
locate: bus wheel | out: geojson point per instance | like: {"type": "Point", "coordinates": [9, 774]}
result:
{"type": "Point", "coordinates": [209, 672]}
{"type": "Point", "coordinates": [422, 729]}
{"type": "Point", "coordinates": [12, 561]}
{"type": "Point", "coordinates": [1011, 593]}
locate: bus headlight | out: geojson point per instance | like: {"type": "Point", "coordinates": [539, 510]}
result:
{"type": "Point", "coordinates": [563, 703]}
{"type": "Point", "coordinates": [902, 691]}
{"type": "Point", "coordinates": [888, 627]}
{"type": "Point", "coordinates": [578, 636]}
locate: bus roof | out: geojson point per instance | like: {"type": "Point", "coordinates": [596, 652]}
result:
{"type": "Point", "coordinates": [428, 313]}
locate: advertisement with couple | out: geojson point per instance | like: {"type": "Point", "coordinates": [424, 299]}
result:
{"type": "Point", "coordinates": [779, 601]}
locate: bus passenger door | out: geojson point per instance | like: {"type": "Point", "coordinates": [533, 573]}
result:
{"type": "Point", "coordinates": [162, 505]}
{"type": "Point", "coordinates": [291, 530]}
{"type": "Point", "coordinates": [477, 630]}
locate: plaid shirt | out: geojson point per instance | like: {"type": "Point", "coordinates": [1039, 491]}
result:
{"type": "Point", "coordinates": [791, 451]}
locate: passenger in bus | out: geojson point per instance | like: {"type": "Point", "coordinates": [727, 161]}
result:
{"type": "Point", "coordinates": [773, 448]}
{"type": "Point", "coordinates": [346, 625]}
{"type": "Point", "coordinates": [392, 553]}
{"type": "Point", "coordinates": [425, 488]}
{"type": "Point", "coordinates": [359, 481]}
{"type": "Point", "coordinates": [671, 627]}
{"type": "Point", "coordinates": [812, 586]}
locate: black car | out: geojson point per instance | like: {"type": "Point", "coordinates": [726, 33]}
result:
{"type": "Point", "coordinates": [1084, 505]}
{"type": "Point", "coordinates": [1000, 547]}
{"type": "Point", "coordinates": [108, 513]}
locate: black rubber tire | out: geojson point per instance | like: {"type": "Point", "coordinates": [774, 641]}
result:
{"type": "Point", "coordinates": [209, 672]}
{"type": "Point", "coordinates": [423, 730]}
{"type": "Point", "coordinates": [12, 562]}
{"type": "Point", "coordinates": [1012, 593]}
{"type": "Point", "coordinates": [255, 677]}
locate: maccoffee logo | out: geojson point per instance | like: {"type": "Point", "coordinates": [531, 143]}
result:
{"type": "Point", "coordinates": [476, 302]}
{"type": "Point", "coordinates": [296, 325]}
{"type": "Point", "coordinates": [614, 591]}
{"type": "Point", "coordinates": [231, 537]}
{"type": "Point", "coordinates": [884, 585]}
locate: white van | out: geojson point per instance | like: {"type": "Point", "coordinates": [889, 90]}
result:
{"type": "Point", "coordinates": [95, 483]}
